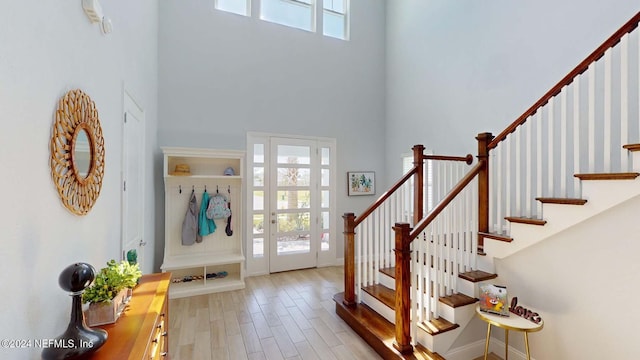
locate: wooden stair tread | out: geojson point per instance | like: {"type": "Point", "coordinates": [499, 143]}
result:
{"type": "Point", "coordinates": [384, 294]}
{"type": "Point", "coordinates": [438, 326]}
{"type": "Point", "coordinates": [377, 331]}
{"type": "Point", "coordinates": [632, 147]}
{"type": "Point", "coordinates": [477, 276]}
{"type": "Point", "coordinates": [562, 201]}
{"type": "Point", "coordinates": [495, 236]}
{"type": "Point", "coordinates": [390, 272]}
{"type": "Point", "coordinates": [608, 176]}
{"type": "Point", "coordinates": [457, 300]}
{"type": "Point", "coordinates": [529, 221]}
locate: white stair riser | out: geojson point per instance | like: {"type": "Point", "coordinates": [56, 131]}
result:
{"type": "Point", "coordinates": [379, 307]}
{"type": "Point", "coordinates": [387, 281]}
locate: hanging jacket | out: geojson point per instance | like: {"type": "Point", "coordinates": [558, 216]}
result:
{"type": "Point", "coordinates": [206, 226]}
{"type": "Point", "coordinates": [190, 222]}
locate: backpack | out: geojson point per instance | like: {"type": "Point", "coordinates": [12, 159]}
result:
{"type": "Point", "coordinates": [218, 208]}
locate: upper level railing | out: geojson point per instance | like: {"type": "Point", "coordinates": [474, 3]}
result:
{"type": "Point", "coordinates": [579, 126]}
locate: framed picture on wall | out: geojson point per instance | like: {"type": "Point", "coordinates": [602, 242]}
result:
{"type": "Point", "coordinates": [361, 183]}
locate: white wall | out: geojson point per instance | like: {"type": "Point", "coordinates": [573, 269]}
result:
{"type": "Point", "coordinates": [222, 75]}
{"type": "Point", "coordinates": [458, 68]}
{"type": "Point", "coordinates": [48, 48]}
{"type": "Point", "coordinates": [578, 280]}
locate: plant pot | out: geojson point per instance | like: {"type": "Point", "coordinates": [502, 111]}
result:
{"type": "Point", "coordinates": [105, 312]}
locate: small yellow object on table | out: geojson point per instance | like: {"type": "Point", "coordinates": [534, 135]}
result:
{"type": "Point", "coordinates": [512, 322]}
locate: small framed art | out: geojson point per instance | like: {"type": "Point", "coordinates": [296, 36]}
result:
{"type": "Point", "coordinates": [361, 183]}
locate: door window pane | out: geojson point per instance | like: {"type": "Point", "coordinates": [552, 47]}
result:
{"type": "Point", "coordinates": [294, 177]}
{"type": "Point", "coordinates": [258, 200]}
{"type": "Point", "coordinates": [258, 223]}
{"type": "Point", "coordinates": [291, 154]}
{"type": "Point", "coordinates": [258, 247]}
{"type": "Point", "coordinates": [324, 177]}
{"type": "Point", "coordinates": [294, 244]}
{"type": "Point", "coordinates": [324, 242]}
{"type": "Point", "coordinates": [290, 222]}
{"type": "Point", "coordinates": [258, 153]}
{"type": "Point", "coordinates": [294, 199]}
{"type": "Point", "coordinates": [258, 176]}
{"type": "Point", "coordinates": [324, 153]}
{"type": "Point", "coordinates": [324, 203]}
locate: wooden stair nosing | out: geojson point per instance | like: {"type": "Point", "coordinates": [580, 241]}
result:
{"type": "Point", "coordinates": [494, 236]}
{"type": "Point", "coordinates": [561, 201]}
{"type": "Point", "coordinates": [383, 294]}
{"type": "Point", "coordinates": [608, 176]}
{"type": "Point", "coordinates": [377, 331]}
{"type": "Point", "coordinates": [457, 300]}
{"type": "Point", "coordinates": [528, 221]}
{"type": "Point", "coordinates": [390, 272]}
{"type": "Point", "coordinates": [438, 326]}
{"type": "Point", "coordinates": [632, 147]}
{"type": "Point", "coordinates": [477, 276]}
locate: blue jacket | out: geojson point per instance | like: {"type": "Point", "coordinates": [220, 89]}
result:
{"type": "Point", "coordinates": [206, 226]}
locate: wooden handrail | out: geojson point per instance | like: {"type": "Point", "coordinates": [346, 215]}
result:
{"type": "Point", "coordinates": [419, 227]}
{"type": "Point", "coordinates": [468, 159]}
{"type": "Point", "coordinates": [582, 67]}
{"type": "Point", "coordinates": [385, 196]}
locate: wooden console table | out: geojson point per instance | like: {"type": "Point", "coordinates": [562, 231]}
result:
{"type": "Point", "coordinates": [512, 322]}
{"type": "Point", "coordinates": [141, 330]}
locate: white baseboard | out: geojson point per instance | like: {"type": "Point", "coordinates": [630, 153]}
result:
{"type": "Point", "coordinates": [476, 349]}
{"type": "Point", "coordinates": [466, 352]}
{"type": "Point", "coordinates": [340, 262]}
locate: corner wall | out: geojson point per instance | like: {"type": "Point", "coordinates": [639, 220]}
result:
{"type": "Point", "coordinates": [222, 75]}
{"type": "Point", "coordinates": [456, 69]}
{"type": "Point", "coordinates": [47, 49]}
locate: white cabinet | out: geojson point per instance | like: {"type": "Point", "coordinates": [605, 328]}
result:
{"type": "Point", "coordinates": [219, 253]}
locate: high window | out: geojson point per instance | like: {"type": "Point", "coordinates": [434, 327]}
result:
{"type": "Point", "coordinates": [240, 7]}
{"type": "Point", "coordinates": [299, 14]}
{"type": "Point", "coordinates": [335, 20]}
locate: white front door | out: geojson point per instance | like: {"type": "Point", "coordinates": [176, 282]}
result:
{"type": "Point", "coordinates": [293, 205]}
{"type": "Point", "coordinates": [132, 181]}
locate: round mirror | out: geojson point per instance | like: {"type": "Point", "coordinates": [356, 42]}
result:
{"type": "Point", "coordinates": [77, 152]}
{"type": "Point", "coordinates": [81, 153]}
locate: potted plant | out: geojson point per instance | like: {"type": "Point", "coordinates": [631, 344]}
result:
{"type": "Point", "coordinates": [110, 292]}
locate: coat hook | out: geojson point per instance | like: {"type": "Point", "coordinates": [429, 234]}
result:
{"type": "Point", "coordinates": [205, 188]}
{"type": "Point", "coordinates": [217, 191]}
{"type": "Point", "coordinates": [229, 189]}
{"type": "Point", "coordinates": [193, 188]}
{"type": "Point", "coordinates": [180, 188]}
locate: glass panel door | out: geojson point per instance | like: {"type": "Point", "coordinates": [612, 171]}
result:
{"type": "Point", "coordinates": [293, 209]}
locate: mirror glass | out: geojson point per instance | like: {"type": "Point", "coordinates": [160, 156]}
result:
{"type": "Point", "coordinates": [82, 153]}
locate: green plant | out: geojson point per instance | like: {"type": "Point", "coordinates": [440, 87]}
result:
{"type": "Point", "coordinates": [110, 280]}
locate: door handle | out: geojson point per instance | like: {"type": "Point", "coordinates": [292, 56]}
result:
{"type": "Point", "coordinates": [142, 242]}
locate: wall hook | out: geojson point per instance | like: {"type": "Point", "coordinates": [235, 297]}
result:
{"type": "Point", "coordinates": [180, 188]}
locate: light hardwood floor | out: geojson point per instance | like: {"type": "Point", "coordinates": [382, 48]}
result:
{"type": "Point", "coordinates": [288, 315]}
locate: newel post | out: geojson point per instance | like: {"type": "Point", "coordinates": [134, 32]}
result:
{"type": "Point", "coordinates": [483, 186]}
{"type": "Point", "coordinates": [403, 288]}
{"type": "Point", "coordinates": [349, 259]}
{"type": "Point", "coordinates": [418, 188]}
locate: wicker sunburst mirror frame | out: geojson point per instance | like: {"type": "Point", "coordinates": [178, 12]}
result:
{"type": "Point", "coordinates": [77, 152]}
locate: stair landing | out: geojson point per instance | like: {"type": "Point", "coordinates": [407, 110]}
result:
{"type": "Point", "coordinates": [377, 331]}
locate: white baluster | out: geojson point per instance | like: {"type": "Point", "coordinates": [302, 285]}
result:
{"type": "Point", "coordinates": [517, 143]}
{"type": "Point", "coordinates": [607, 110]}
{"type": "Point", "coordinates": [624, 101]}
{"type": "Point", "coordinates": [576, 136]}
{"type": "Point", "coordinates": [563, 143]}
{"type": "Point", "coordinates": [550, 145]}
{"type": "Point", "coordinates": [538, 171]}
{"type": "Point", "coordinates": [528, 166]}
{"type": "Point", "coordinates": [591, 103]}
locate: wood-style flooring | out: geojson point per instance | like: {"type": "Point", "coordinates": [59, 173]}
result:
{"type": "Point", "coordinates": [288, 315]}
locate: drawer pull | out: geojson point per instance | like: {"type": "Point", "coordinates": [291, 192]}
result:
{"type": "Point", "coordinates": [163, 354]}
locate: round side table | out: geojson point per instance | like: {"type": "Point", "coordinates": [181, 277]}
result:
{"type": "Point", "coordinates": [513, 322]}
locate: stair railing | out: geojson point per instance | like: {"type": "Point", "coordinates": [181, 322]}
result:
{"type": "Point", "coordinates": [370, 241]}
{"type": "Point", "coordinates": [579, 126]}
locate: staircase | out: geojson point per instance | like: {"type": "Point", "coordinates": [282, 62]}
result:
{"type": "Point", "coordinates": [411, 271]}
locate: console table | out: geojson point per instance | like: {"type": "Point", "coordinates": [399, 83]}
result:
{"type": "Point", "coordinates": [141, 330]}
{"type": "Point", "coordinates": [513, 322]}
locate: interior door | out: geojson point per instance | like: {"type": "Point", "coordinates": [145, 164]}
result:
{"type": "Point", "coordinates": [132, 181]}
{"type": "Point", "coordinates": [293, 205]}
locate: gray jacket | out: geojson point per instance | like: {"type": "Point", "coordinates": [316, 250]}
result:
{"type": "Point", "coordinates": [190, 224]}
